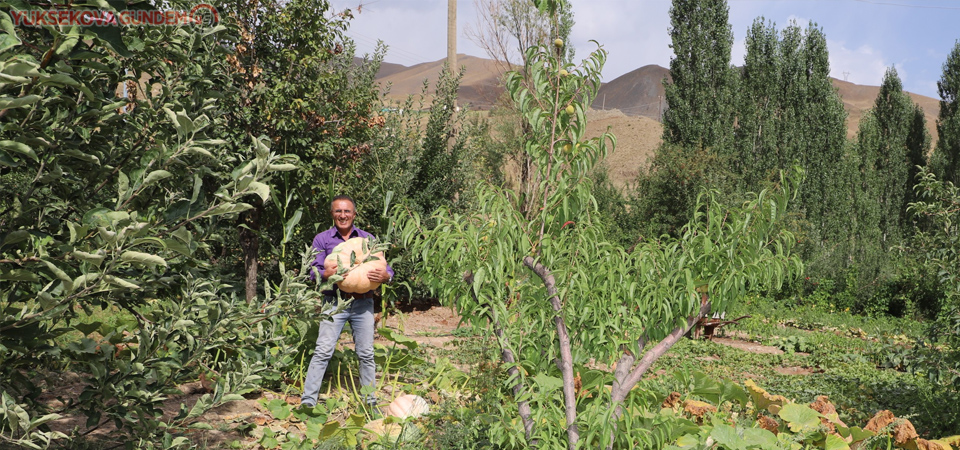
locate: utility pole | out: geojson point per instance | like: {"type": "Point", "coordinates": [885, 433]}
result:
{"type": "Point", "coordinates": [452, 39]}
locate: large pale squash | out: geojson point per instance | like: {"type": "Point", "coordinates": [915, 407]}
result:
{"type": "Point", "coordinates": [407, 406]}
{"type": "Point", "coordinates": [356, 281]}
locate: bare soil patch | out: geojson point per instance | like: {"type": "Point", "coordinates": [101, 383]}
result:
{"type": "Point", "coordinates": [432, 326]}
{"type": "Point", "coordinates": [746, 346]}
{"type": "Point", "coordinates": [795, 370]}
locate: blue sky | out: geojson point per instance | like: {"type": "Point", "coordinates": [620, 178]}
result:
{"type": "Point", "coordinates": [864, 37]}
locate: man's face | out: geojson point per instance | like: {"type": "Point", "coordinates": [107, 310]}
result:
{"type": "Point", "coordinates": [343, 215]}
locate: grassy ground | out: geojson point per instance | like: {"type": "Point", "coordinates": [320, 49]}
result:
{"type": "Point", "coordinates": [858, 362]}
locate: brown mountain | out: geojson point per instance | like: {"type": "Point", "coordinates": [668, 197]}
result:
{"type": "Point", "coordinates": [479, 87]}
{"type": "Point", "coordinates": [633, 103]}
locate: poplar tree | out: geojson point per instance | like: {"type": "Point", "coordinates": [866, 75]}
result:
{"type": "Point", "coordinates": [817, 134]}
{"type": "Point", "coordinates": [788, 113]}
{"type": "Point", "coordinates": [700, 98]}
{"type": "Point", "coordinates": [945, 161]}
{"type": "Point", "coordinates": [756, 153]}
{"type": "Point", "coordinates": [891, 143]}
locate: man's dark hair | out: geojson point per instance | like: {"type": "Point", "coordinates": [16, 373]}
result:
{"type": "Point", "coordinates": [344, 197]}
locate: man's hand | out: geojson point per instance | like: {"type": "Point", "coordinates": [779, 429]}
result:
{"type": "Point", "coordinates": [378, 276]}
{"type": "Point", "coordinates": [329, 270]}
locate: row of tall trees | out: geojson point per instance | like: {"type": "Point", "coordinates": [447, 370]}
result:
{"type": "Point", "coordinates": [733, 128]}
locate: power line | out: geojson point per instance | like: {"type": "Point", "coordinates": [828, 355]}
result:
{"type": "Point", "coordinates": [876, 2]}
{"type": "Point", "coordinates": [392, 50]}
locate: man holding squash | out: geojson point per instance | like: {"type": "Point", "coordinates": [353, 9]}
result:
{"type": "Point", "coordinates": [335, 246]}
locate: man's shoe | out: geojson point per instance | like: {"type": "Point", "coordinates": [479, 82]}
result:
{"type": "Point", "coordinates": [374, 411]}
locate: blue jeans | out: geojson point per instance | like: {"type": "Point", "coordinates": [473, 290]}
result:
{"type": "Point", "coordinates": [360, 315]}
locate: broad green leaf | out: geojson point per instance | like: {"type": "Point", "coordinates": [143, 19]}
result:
{"type": "Point", "coordinates": [85, 279]}
{"type": "Point", "coordinates": [111, 36]}
{"type": "Point", "coordinates": [15, 237]}
{"type": "Point", "coordinates": [758, 437]}
{"type": "Point", "coordinates": [282, 167]}
{"type": "Point", "coordinates": [856, 434]}
{"type": "Point", "coordinates": [72, 152]}
{"type": "Point", "coordinates": [8, 41]}
{"type": "Point", "coordinates": [800, 418]}
{"type": "Point", "coordinates": [69, 40]}
{"type": "Point", "coordinates": [60, 274]}
{"type": "Point", "coordinates": [59, 79]}
{"type": "Point", "coordinates": [727, 436]}
{"type": "Point", "coordinates": [87, 328]}
{"type": "Point", "coordinates": [123, 184]}
{"type": "Point", "coordinates": [199, 150]}
{"type": "Point", "coordinates": [834, 442]}
{"type": "Point", "coordinates": [688, 440]}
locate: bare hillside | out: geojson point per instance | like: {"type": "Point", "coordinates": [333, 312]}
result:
{"type": "Point", "coordinates": [630, 105]}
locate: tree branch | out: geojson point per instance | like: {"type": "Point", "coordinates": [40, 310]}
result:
{"type": "Point", "coordinates": [566, 357]}
{"type": "Point", "coordinates": [624, 381]}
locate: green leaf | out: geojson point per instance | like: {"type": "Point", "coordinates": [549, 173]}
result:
{"type": "Point", "coordinates": [856, 434]}
{"type": "Point", "coordinates": [800, 418]}
{"type": "Point", "coordinates": [156, 176]}
{"type": "Point", "coordinates": [758, 437]}
{"type": "Point", "coordinates": [85, 279]}
{"type": "Point", "coordinates": [8, 41]}
{"type": "Point", "coordinates": [18, 102]}
{"type": "Point", "coordinates": [547, 383]}
{"type": "Point", "coordinates": [117, 281]}
{"type": "Point", "coordinates": [398, 338]}
{"type": "Point", "coordinates": [15, 237]}
{"type": "Point", "coordinates": [19, 275]}
{"type": "Point", "coordinates": [260, 189]}
{"type": "Point", "coordinates": [72, 152]}
{"type": "Point", "coordinates": [18, 147]}
{"type": "Point", "coordinates": [87, 328]}
{"type": "Point", "coordinates": [142, 258]}
{"type": "Point", "coordinates": [727, 436]}
{"type": "Point", "coordinates": [688, 440]}
{"type": "Point", "coordinates": [834, 442]}
{"type": "Point", "coordinates": [229, 208]}
{"type": "Point", "coordinates": [96, 259]}
{"type": "Point", "coordinates": [110, 35]}
{"type": "Point", "coordinates": [282, 167]}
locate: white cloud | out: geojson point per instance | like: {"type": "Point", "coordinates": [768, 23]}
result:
{"type": "Point", "coordinates": [634, 33]}
{"type": "Point", "coordinates": [863, 65]}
